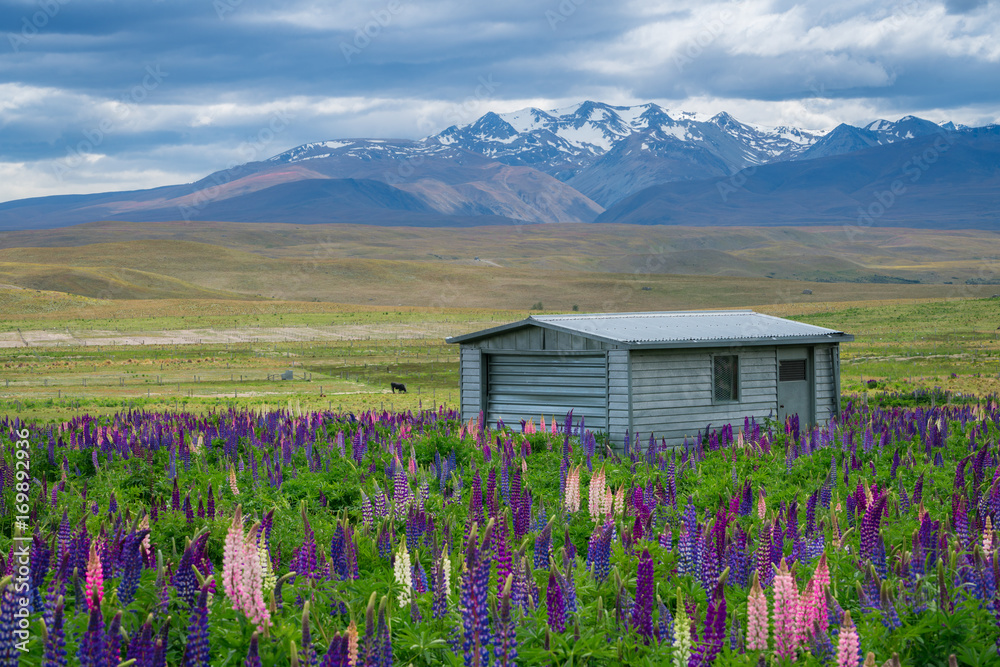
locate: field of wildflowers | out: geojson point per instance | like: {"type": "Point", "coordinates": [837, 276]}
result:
{"type": "Point", "coordinates": [378, 538]}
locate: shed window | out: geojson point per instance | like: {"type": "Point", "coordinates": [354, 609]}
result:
{"type": "Point", "coordinates": [726, 378]}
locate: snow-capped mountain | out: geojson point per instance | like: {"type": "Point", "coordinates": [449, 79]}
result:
{"type": "Point", "coordinates": [847, 138]}
{"type": "Point", "coordinates": [562, 165]}
{"type": "Point", "coordinates": [642, 144]}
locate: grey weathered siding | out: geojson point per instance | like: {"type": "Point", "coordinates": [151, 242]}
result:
{"type": "Point", "coordinates": [537, 338]}
{"type": "Point", "coordinates": [826, 393]}
{"type": "Point", "coordinates": [618, 387]}
{"type": "Point", "coordinates": [471, 382]}
{"type": "Point", "coordinates": [672, 391]}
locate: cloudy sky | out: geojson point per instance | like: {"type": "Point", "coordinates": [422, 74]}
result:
{"type": "Point", "coordinates": [109, 95]}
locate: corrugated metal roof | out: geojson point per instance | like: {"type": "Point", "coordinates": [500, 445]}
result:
{"type": "Point", "coordinates": [676, 329]}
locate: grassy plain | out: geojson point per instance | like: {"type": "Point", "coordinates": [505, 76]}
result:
{"type": "Point", "coordinates": [346, 357]}
{"type": "Point", "coordinates": [200, 315]}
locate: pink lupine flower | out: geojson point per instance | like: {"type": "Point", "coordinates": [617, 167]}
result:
{"type": "Point", "coordinates": [95, 578]}
{"type": "Point", "coordinates": [595, 495]}
{"type": "Point", "coordinates": [542, 428]}
{"type": "Point", "coordinates": [232, 481]}
{"type": "Point", "coordinates": [243, 573]}
{"type": "Point", "coordinates": [761, 505]}
{"type": "Point", "coordinates": [529, 428]}
{"type": "Point", "coordinates": [232, 556]}
{"type": "Point", "coordinates": [757, 621]}
{"type": "Point", "coordinates": [848, 644]}
{"type": "Point", "coordinates": [787, 624]}
{"type": "Point", "coordinates": [573, 490]}
{"type": "Point", "coordinates": [817, 601]}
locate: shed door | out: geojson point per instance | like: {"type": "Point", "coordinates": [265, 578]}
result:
{"type": "Point", "coordinates": [795, 384]}
{"type": "Point", "coordinates": [522, 386]}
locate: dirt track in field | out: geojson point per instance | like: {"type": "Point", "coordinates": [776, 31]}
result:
{"type": "Point", "coordinates": [90, 338]}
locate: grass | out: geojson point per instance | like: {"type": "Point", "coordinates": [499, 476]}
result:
{"type": "Point", "coordinates": [596, 267]}
{"type": "Point", "coordinates": [903, 345]}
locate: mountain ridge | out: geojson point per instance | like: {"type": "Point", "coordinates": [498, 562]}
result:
{"type": "Point", "coordinates": [562, 165]}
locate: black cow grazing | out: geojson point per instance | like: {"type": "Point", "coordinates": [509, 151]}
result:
{"type": "Point", "coordinates": [398, 385]}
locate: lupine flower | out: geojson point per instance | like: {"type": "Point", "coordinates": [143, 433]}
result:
{"type": "Point", "coordinates": [505, 646]}
{"type": "Point", "coordinates": [95, 578]}
{"type": "Point", "coordinates": [196, 649]}
{"type": "Point", "coordinates": [55, 641]}
{"type": "Point", "coordinates": [682, 634]}
{"type": "Point", "coordinates": [232, 481]}
{"type": "Point", "coordinates": [253, 655]}
{"type": "Point", "coordinates": [91, 652]}
{"type": "Point", "coordinates": [848, 644]}
{"type": "Point", "coordinates": [475, 587]}
{"type": "Point", "coordinates": [817, 601]}
{"type": "Point", "coordinates": [555, 604]}
{"type": "Point", "coordinates": [573, 490]}
{"type": "Point", "coordinates": [757, 617]}
{"type": "Point", "coordinates": [402, 574]}
{"type": "Point", "coordinates": [352, 643]}
{"type": "Point", "coordinates": [642, 613]}
{"type": "Point", "coordinates": [787, 625]}
{"type": "Point", "coordinates": [338, 654]}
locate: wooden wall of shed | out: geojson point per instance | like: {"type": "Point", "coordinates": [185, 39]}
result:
{"type": "Point", "coordinates": [470, 381]}
{"type": "Point", "coordinates": [537, 338]}
{"type": "Point", "coordinates": [827, 392]}
{"type": "Point", "coordinates": [618, 396]}
{"type": "Point", "coordinates": [672, 394]}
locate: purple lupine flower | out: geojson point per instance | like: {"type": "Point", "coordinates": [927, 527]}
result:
{"type": "Point", "coordinates": [505, 645]}
{"type": "Point", "coordinates": [642, 613]}
{"type": "Point", "coordinates": [132, 568]}
{"type": "Point", "coordinates": [543, 543]}
{"type": "Point", "coordinates": [140, 646]}
{"type": "Point", "coordinates": [556, 605]}
{"type": "Point", "coordinates": [870, 527]}
{"type": "Point", "coordinates": [337, 655]}
{"type": "Point", "coordinates": [113, 641]}
{"type": "Point", "coordinates": [715, 631]}
{"type": "Point", "coordinates": [665, 623]}
{"type": "Point", "coordinates": [307, 652]}
{"type": "Point", "coordinates": [599, 551]}
{"type": "Point", "coordinates": [91, 652]}
{"type": "Point", "coordinates": [55, 642]}
{"type": "Point", "coordinates": [503, 552]}
{"type": "Point", "coordinates": [253, 654]}
{"type": "Point", "coordinates": [475, 590]}
{"type": "Point", "coordinates": [196, 649]}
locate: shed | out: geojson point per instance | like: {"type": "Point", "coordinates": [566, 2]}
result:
{"type": "Point", "coordinates": [668, 374]}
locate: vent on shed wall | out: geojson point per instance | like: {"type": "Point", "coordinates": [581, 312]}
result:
{"type": "Point", "coordinates": [792, 370]}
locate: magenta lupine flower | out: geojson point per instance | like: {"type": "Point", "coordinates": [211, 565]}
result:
{"type": "Point", "coordinates": [642, 613]}
{"type": "Point", "coordinates": [757, 617]}
{"type": "Point", "coordinates": [95, 578]}
{"type": "Point", "coordinates": [555, 604]}
{"type": "Point", "coordinates": [786, 613]}
{"type": "Point", "coordinates": [848, 644]}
